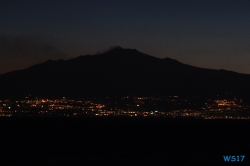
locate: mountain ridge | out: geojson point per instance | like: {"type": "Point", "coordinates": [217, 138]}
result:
{"type": "Point", "coordinates": [119, 72]}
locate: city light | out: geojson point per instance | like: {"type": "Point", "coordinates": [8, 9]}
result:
{"type": "Point", "coordinates": [131, 106]}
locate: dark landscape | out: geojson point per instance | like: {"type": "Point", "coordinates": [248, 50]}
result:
{"type": "Point", "coordinates": [121, 141]}
{"type": "Point", "coordinates": [120, 72]}
{"type": "Point", "coordinates": [95, 83]}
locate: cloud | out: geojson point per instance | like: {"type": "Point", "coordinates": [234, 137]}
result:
{"type": "Point", "coordinates": [28, 47]}
{"type": "Point", "coordinates": [18, 52]}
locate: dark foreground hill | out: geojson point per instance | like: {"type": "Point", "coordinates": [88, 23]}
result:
{"type": "Point", "coordinates": [119, 72]}
{"type": "Point", "coordinates": [122, 141]}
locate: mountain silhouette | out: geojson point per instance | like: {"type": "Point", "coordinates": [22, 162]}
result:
{"type": "Point", "coordinates": [119, 72]}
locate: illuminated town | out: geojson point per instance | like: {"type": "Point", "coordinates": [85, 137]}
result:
{"type": "Point", "coordinates": [148, 106]}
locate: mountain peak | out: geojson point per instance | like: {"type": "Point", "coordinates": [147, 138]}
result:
{"type": "Point", "coordinates": [118, 49]}
{"type": "Point", "coordinates": [126, 53]}
{"type": "Point", "coordinates": [118, 71]}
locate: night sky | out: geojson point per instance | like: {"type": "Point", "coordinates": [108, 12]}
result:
{"type": "Point", "coordinates": [205, 33]}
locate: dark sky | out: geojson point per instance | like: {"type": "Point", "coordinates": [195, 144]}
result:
{"type": "Point", "coordinates": [204, 33]}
